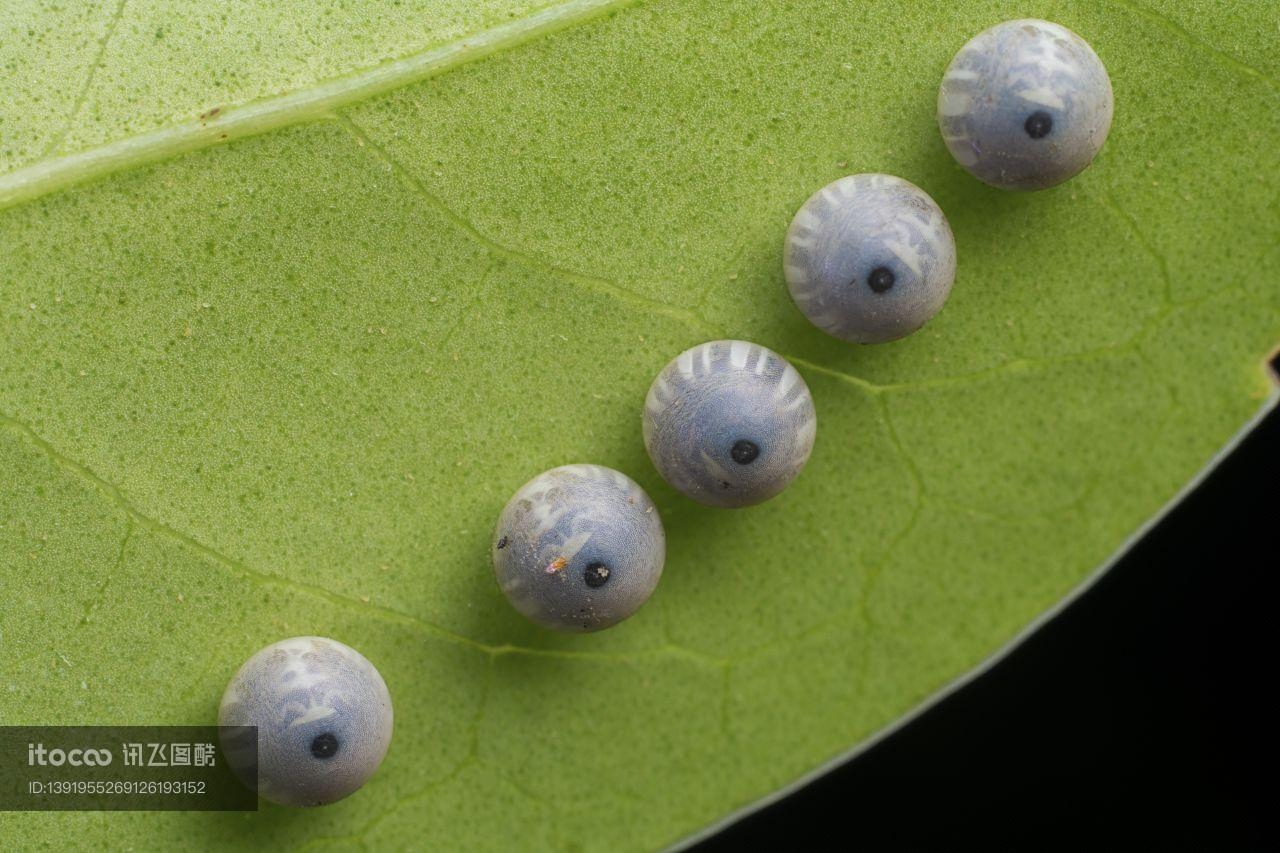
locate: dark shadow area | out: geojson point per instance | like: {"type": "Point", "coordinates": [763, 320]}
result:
{"type": "Point", "coordinates": [1141, 718]}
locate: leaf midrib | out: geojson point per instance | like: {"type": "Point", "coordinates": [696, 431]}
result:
{"type": "Point", "coordinates": [312, 102]}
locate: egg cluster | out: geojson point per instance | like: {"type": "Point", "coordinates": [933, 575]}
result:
{"type": "Point", "coordinates": [870, 258]}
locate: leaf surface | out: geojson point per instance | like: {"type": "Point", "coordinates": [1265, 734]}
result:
{"type": "Point", "coordinates": [282, 382]}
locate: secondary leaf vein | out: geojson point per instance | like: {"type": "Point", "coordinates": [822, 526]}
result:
{"type": "Point", "coordinates": [1180, 32]}
{"type": "Point", "coordinates": [87, 86]}
{"type": "Point", "coordinates": [372, 611]}
{"type": "Point", "coordinates": [598, 285]}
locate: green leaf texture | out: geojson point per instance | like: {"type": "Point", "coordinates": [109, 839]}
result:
{"type": "Point", "coordinates": [293, 296]}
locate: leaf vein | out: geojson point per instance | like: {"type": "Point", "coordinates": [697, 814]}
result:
{"type": "Point", "coordinates": [112, 572]}
{"type": "Point", "coordinates": [471, 757]}
{"type": "Point", "coordinates": [313, 102]}
{"type": "Point", "coordinates": [373, 611]}
{"type": "Point", "coordinates": [83, 95]}
{"type": "Point", "coordinates": [1131, 223]}
{"type": "Point", "coordinates": [1183, 34]}
{"type": "Point", "coordinates": [495, 247]}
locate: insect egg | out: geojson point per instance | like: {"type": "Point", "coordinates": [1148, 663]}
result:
{"type": "Point", "coordinates": [578, 548]}
{"type": "Point", "coordinates": [869, 258]}
{"type": "Point", "coordinates": [729, 423]}
{"type": "Point", "coordinates": [1025, 105]}
{"type": "Point", "coordinates": [323, 719]}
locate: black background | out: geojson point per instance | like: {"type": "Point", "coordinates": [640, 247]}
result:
{"type": "Point", "coordinates": [1140, 718]}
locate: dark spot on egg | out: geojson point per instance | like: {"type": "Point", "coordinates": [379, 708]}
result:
{"type": "Point", "coordinates": [880, 280]}
{"type": "Point", "coordinates": [744, 452]}
{"type": "Point", "coordinates": [596, 575]}
{"type": "Point", "coordinates": [324, 745]}
{"type": "Point", "coordinates": [1038, 124]}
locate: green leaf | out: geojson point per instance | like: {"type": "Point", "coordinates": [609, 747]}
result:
{"type": "Point", "coordinates": [273, 370]}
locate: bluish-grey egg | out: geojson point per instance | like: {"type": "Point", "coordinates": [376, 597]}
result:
{"type": "Point", "coordinates": [869, 258]}
{"type": "Point", "coordinates": [579, 548]}
{"type": "Point", "coordinates": [1025, 105]}
{"type": "Point", "coordinates": [729, 423]}
{"type": "Point", "coordinates": [323, 716]}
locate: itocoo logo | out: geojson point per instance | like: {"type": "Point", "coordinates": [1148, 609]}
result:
{"type": "Point", "coordinates": [37, 754]}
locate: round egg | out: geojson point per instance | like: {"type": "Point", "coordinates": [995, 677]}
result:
{"type": "Point", "coordinates": [729, 423]}
{"type": "Point", "coordinates": [869, 258]}
{"type": "Point", "coordinates": [323, 718]}
{"type": "Point", "coordinates": [578, 548]}
{"type": "Point", "coordinates": [1025, 105]}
